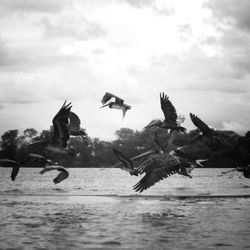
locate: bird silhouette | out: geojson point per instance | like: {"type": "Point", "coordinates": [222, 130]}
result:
{"type": "Point", "coordinates": [61, 132]}
{"type": "Point", "coordinates": [60, 177]}
{"type": "Point", "coordinates": [28, 159]}
{"type": "Point", "coordinates": [117, 104]}
{"type": "Point", "coordinates": [245, 170]}
{"type": "Point", "coordinates": [171, 120]}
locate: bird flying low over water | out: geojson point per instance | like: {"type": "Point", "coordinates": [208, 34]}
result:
{"type": "Point", "coordinates": [39, 159]}
{"type": "Point", "coordinates": [171, 120]}
{"type": "Point", "coordinates": [61, 133]}
{"type": "Point", "coordinates": [60, 177]}
{"type": "Point", "coordinates": [158, 167]}
{"type": "Point", "coordinates": [117, 104]}
{"type": "Point", "coordinates": [245, 170]}
{"type": "Point", "coordinates": [65, 124]}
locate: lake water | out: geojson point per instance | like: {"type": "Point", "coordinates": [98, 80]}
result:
{"type": "Point", "coordinates": [98, 209]}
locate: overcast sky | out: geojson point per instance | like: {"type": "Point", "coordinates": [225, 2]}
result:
{"type": "Point", "coordinates": [196, 51]}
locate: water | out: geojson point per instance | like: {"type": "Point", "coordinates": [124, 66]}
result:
{"type": "Point", "coordinates": [98, 209]}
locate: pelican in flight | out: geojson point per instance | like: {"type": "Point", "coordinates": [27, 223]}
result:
{"type": "Point", "coordinates": [171, 120]}
{"type": "Point", "coordinates": [39, 159]}
{"type": "Point", "coordinates": [62, 129]}
{"type": "Point", "coordinates": [117, 104]}
{"type": "Point", "coordinates": [245, 170]}
{"type": "Point", "coordinates": [157, 167]}
{"type": "Point", "coordinates": [60, 177]}
{"type": "Point", "coordinates": [203, 128]}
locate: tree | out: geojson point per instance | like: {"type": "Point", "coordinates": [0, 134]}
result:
{"type": "Point", "coordinates": [9, 144]}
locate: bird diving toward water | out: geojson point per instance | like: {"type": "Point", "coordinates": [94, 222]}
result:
{"type": "Point", "coordinates": [60, 177]}
{"type": "Point", "coordinates": [171, 121]}
{"type": "Point", "coordinates": [117, 104]}
{"type": "Point", "coordinates": [39, 159]}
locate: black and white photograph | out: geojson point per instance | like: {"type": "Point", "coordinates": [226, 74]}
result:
{"type": "Point", "coordinates": [125, 124]}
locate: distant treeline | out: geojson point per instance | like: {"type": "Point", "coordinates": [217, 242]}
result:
{"type": "Point", "coordinates": [233, 150]}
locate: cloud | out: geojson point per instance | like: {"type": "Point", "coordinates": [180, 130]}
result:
{"type": "Point", "coordinates": [72, 27]}
{"type": "Point", "coordinates": [140, 3]}
{"type": "Point", "coordinates": [231, 12]}
{"type": "Point", "coordinates": [233, 126]}
{"type": "Point", "coordinates": [45, 6]}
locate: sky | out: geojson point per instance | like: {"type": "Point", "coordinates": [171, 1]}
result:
{"type": "Point", "coordinates": [197, 52]}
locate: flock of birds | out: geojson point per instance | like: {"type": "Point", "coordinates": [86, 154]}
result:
{"type": "Point", "coordinates": [155, 164]}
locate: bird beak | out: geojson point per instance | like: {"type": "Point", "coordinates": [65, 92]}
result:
{"type": "Point", "coordinates": [199, 162]}
{"type": "Point", "coordinates": [104, 105]}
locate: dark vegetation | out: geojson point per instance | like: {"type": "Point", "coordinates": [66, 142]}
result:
{"type": "Point", "coordinates": [233, 150]}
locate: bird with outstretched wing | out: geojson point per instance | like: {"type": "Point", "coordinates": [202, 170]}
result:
{"type": "Point", "coordinates": [28, 159]}
{"type": "Point", "coordinates": [171, 120]}
{"type": "Point", "coordinates": [156, 167]}
{"type": "Point", "coordinates": [117, 104]}
{"type": "Point", "coordinates": [60, 177]}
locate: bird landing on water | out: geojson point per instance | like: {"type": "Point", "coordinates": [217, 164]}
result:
{"type": "Point", "coordinates": [117, 104]}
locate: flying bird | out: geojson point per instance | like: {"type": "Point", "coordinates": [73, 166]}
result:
{"type": "Point", "coordinates": [117, 104]}
{"type": "Point", "coordinates": [171, 120]}
{"type": "Point", "coordinates": [158, 167]}
{"type": "Point", "coordinates": [30, 158]}
{"type": "Point", "coordinates": [62, 129]}
{"type": "Point", "coordinates": [245, 170]}
{"type": "Point", "coordinates": [203, 128]}
{"type": "Point", "coordinates": [60, 177]}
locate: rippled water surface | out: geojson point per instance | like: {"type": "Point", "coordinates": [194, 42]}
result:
{"type": "Point", "coordinates": [98, 209]}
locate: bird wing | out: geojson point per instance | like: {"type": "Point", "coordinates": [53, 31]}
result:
{"type": "Point", "coordinates": [64, 174]}
{"type": "Point", "coordinates": [157, 167]}
{"type": "Point", "coordinates": [7, 163]}
{"type": "Point", "coordinates": [61, 126]}
{"type": "Point", "coordinates": [36, 158]}
{"type": "Point", "coordinates": [168, 109]}
{"type": "Point", "coordinates": [60, 177]}
{"type": "Point", "coordinates": [107, 96]}
{"type": "Point", "coordinates": [14, 172]}
{"type": "Point", "coordinates": [10, 163]}
{"type": "Point", "coordinates": [74, 122]}
{"type": "Point", "coordinates": [200, 125]}
{"type": "Point", "coordinates": [127, 163]}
